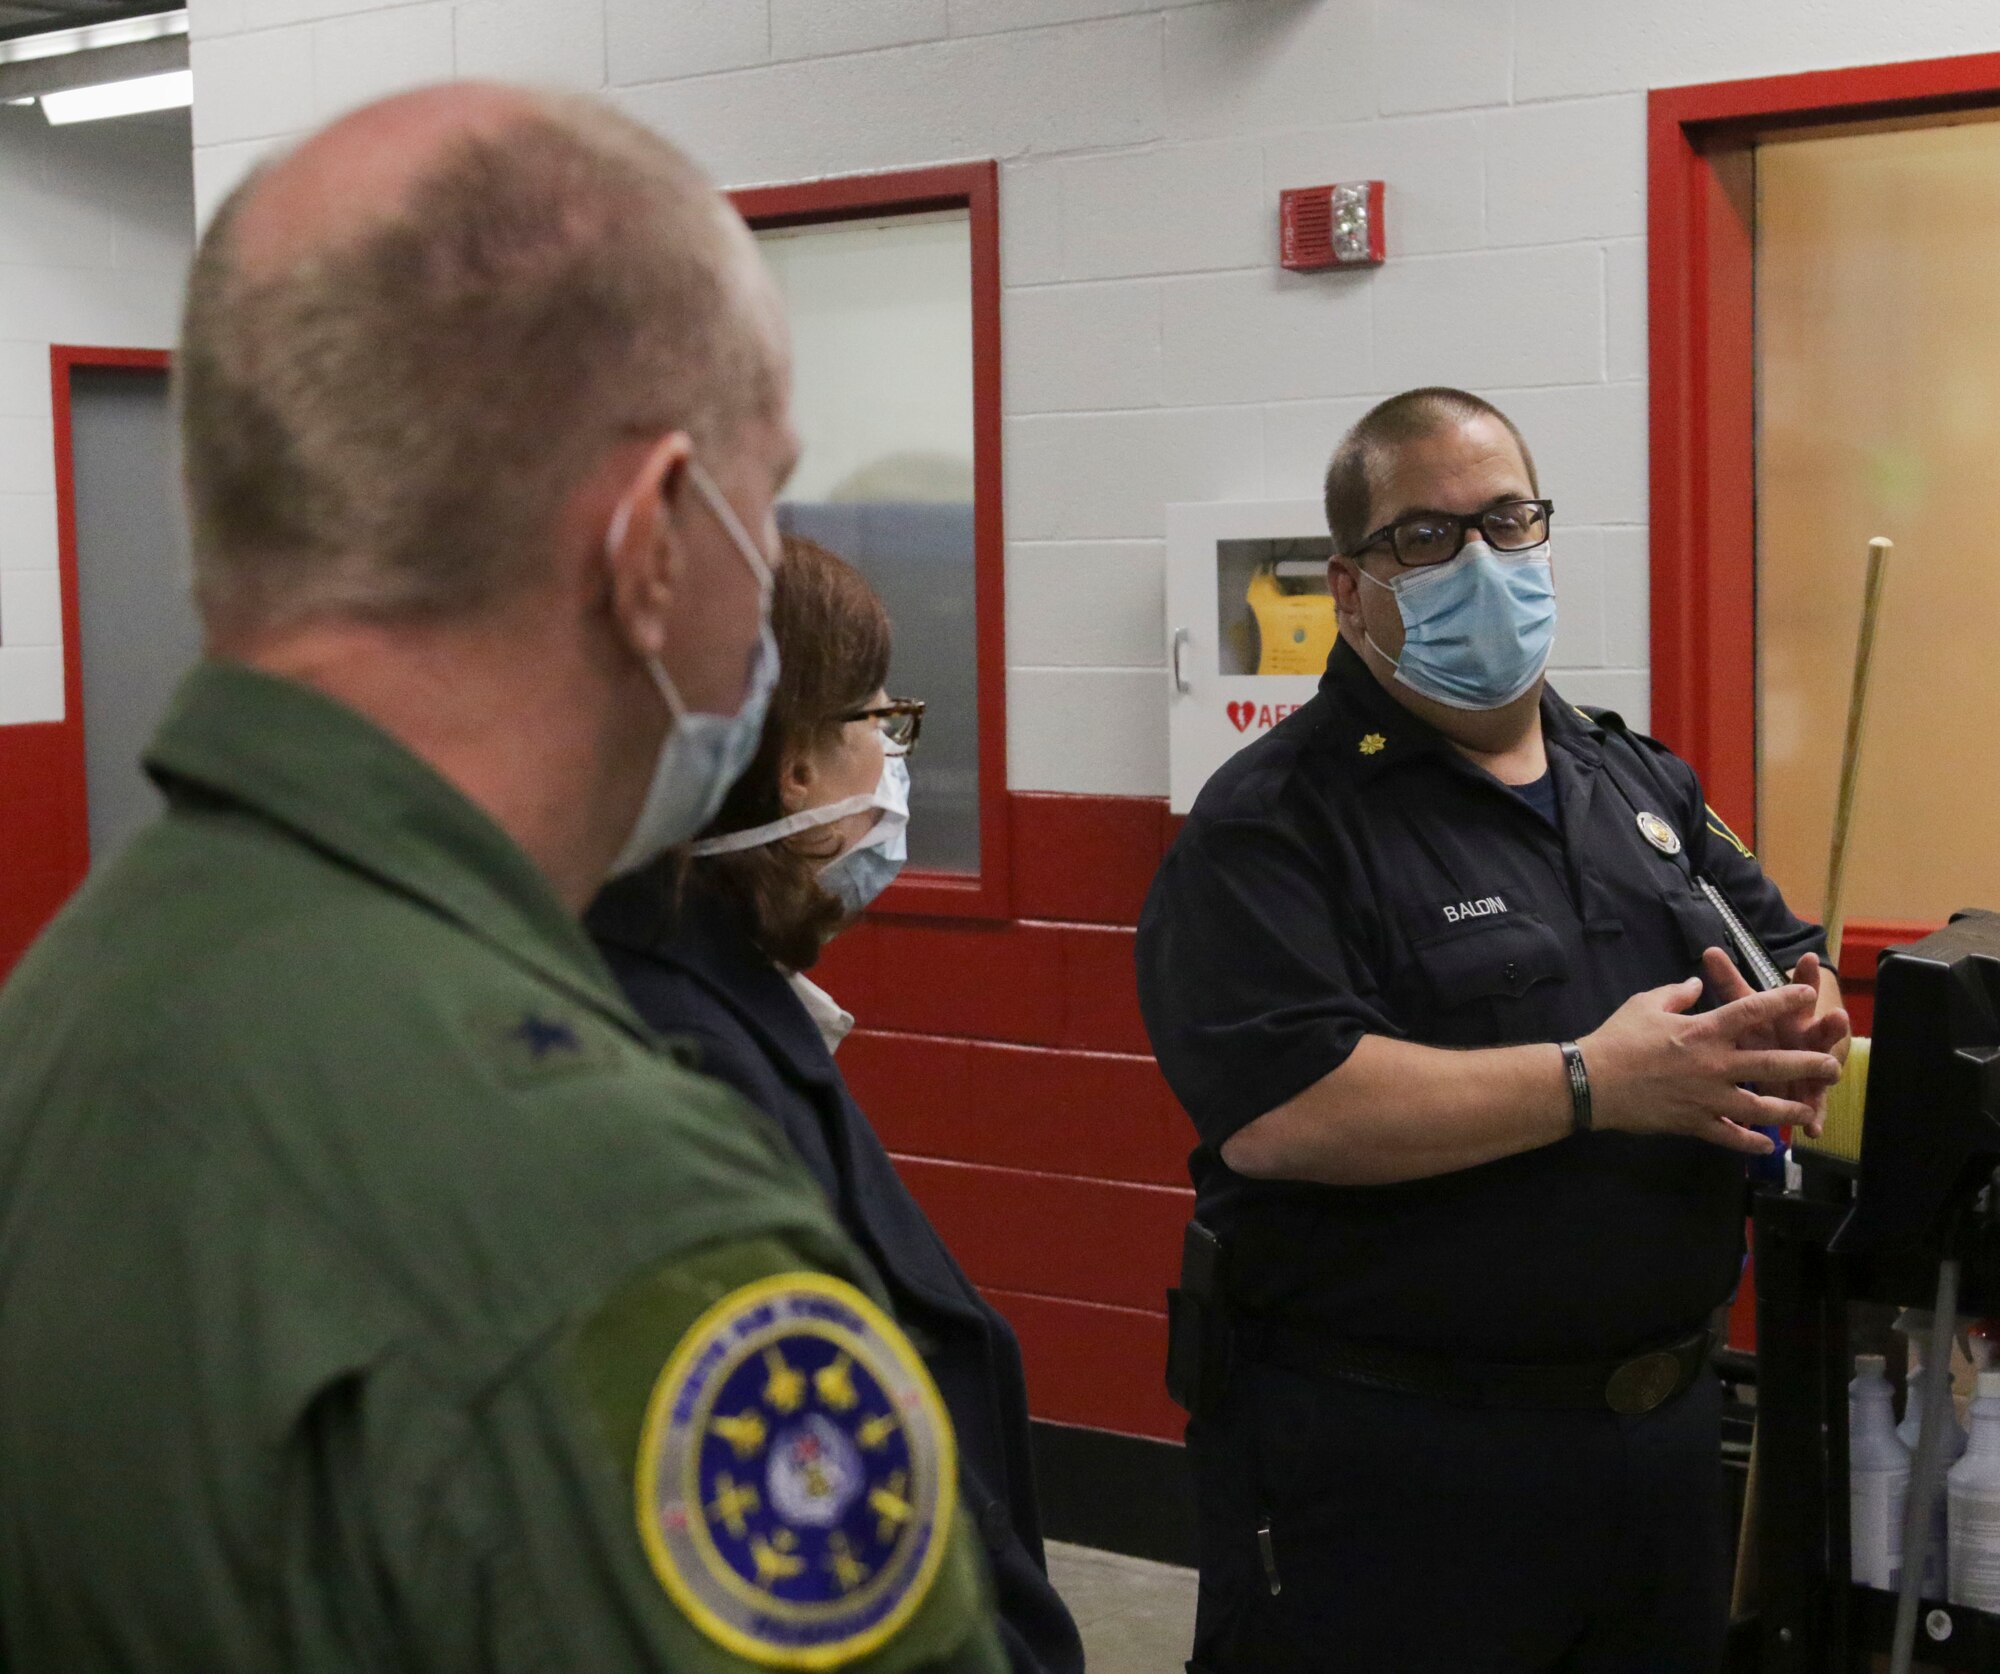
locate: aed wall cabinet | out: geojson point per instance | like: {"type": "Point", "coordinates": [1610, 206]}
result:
{"type": "Point", "coordinates": [1250, 624]}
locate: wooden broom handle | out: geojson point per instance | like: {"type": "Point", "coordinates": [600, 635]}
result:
{"type": "Point", "coordinates": [1850, 750]}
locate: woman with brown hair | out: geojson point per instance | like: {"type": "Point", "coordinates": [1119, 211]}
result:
{"type": "Point", "coordinates": [712, 944]}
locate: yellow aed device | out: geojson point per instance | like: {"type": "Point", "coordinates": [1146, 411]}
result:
{"type": "Point", "coordinates": [1294, 630]}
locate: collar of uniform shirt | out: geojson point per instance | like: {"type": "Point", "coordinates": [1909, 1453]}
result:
{"type": "Point", "coordinates": [701, 932]}
{"type": "Point", "coordinates": [1377, 733]}
{"type": "Point", "coordinates": [308, 763]}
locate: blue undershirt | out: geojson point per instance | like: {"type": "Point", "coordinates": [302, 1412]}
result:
{"type": "Point", "coordinates": [1540, 796]}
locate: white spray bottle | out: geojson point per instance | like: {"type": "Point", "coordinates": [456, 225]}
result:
{"type": "Point", "coordinates": [1974, 1491]}
{"type": "Point", "coordinates": [1878, 1476]}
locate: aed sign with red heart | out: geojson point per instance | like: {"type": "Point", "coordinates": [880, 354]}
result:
{"type": "Point", "coordinates": [1262, 716]}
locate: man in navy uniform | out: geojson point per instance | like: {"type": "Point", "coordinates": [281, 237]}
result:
{"type": "Point", "coordinates": [1427, 968]}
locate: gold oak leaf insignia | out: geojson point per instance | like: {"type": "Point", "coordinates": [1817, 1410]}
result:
{"type": "Point", "coordinates": [1374, 744]}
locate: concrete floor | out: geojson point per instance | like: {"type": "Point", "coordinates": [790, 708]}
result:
{"type": "Point", "coordinates": [1136, 1617]}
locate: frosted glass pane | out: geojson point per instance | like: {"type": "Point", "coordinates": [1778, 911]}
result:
{"type": "Point", "coordinates": [1878, 341]}
{"type": "Point", "coordinates": [881, 315]}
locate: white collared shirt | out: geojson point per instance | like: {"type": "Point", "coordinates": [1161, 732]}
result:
{"type": "Point", "coordinates": [832, 1019]}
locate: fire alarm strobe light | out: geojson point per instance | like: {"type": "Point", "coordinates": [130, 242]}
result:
{"type": "Point", "coordinates": [1331, 226]}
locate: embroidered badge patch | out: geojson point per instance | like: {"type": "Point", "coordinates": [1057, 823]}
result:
{"type": "Point", "coordinates": [797, 1474]}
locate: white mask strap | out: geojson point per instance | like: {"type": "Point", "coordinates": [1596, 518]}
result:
{"type": "Point", "coordinates": [806, 819]}
{"type": "Point", "coordinates": [732, 526]}
{"type": "Point", "coordinates": [724, 512]}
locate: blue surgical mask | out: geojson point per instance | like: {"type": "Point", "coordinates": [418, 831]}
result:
{"type": "Point", "coordinates": [856, 875]}
{"type": "Point", "coordinates": [702, 754]}
{"type": "Point", "coordinates": [871, 866]}
{"type": "Point", "coordinates": [1477, 631]}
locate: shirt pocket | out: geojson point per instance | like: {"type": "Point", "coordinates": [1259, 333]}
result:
{"type": "Point", "coordinates": [1500, 959]}
{"type": "Point", "coordinates": [1700, 925]}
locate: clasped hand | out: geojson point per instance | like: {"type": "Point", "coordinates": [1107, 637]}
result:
{"type": "Point", "coordinates": [1757, 1060]}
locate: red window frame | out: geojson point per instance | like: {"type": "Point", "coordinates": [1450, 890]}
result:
{"type": "Point", "coordinates": [974, 187]}
{"type": "Point", "coordinates": [1699, 304]}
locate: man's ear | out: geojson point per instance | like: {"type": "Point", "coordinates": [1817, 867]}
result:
{"type": "Point", "coordinates": [1345, 586]}
{"type": "Point", "coordinates": [642, 551]}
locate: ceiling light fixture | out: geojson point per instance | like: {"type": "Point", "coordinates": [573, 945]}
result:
{"type": "Point", "coordinates": [172, 91]}
{"type": "Point", "coordinates": [25, 48]}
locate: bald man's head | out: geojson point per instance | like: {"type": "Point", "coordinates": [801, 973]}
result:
{"type": "Point", "coordinates": [344, 181]}
{"type": "Point", "coordinates": [408, 341]}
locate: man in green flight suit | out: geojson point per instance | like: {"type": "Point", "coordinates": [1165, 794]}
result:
{"type": "Point", "coordinates": [375, 1292]}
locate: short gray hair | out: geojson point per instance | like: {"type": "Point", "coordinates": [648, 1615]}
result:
{"type": "Point", "coordinates": [391, 428]}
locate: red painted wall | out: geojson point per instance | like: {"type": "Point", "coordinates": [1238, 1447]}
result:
{"type": "Point", "coordinates": [44, 842]}
{"type": "Point", "coordinates": [1005, 1066]}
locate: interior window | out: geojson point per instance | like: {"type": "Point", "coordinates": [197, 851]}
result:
{"type": "Point", "coordinates": [881, 317]}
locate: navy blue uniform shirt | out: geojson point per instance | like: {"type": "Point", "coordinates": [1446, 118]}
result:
{"type": "Point", "coordinates": [694, 974]}
{"type": "Point", "coordinates": [1351, 873]}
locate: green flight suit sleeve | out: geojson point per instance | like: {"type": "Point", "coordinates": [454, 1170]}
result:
{"type": "Point", "coordinates": [542, 1520]}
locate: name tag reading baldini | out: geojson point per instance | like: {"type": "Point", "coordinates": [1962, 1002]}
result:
{"type": "Point", "coordinates": [1485, 907]}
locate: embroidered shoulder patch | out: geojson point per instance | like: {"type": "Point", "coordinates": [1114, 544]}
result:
{"type": "Point", "coordinates": [1720, 826]}
{"type": "Point", "coordinates": [797, 1474]}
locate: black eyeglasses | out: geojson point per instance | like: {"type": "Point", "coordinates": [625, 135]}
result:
{"type": "Point", "coordinates": [1436, 537]}
{"type": "Point", "coordinates": [901, 721]}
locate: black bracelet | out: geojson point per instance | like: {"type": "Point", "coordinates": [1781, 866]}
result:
{"type": "Point", "coordinates": [1579, 1087]}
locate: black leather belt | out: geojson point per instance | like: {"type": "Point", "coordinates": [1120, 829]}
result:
{"type": "Point", "coordinates": [1631, 1386]}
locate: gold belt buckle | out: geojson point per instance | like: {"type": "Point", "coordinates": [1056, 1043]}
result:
{"type": "Point", "coordinates": [1643, 1383]}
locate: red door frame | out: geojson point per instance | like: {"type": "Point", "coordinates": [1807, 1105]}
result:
{"type": "Point", "coordinates": [1699, 307]}
{"type": "Point", "coordinates": [44, 805]}
{"type": "Point", "coordinates": [974, 187]}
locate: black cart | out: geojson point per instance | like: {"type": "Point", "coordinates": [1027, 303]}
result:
{"type": "Point", "coordinates": [1926, 1188]}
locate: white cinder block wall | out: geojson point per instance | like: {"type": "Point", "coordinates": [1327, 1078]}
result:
{"type": "Point", "coordinates": [1154, 352]}
{"type": "Point", "coordinates": [96, 227]}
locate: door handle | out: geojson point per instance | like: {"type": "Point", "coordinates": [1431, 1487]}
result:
{"type": "Point", "coordinates": [1181, 682]}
